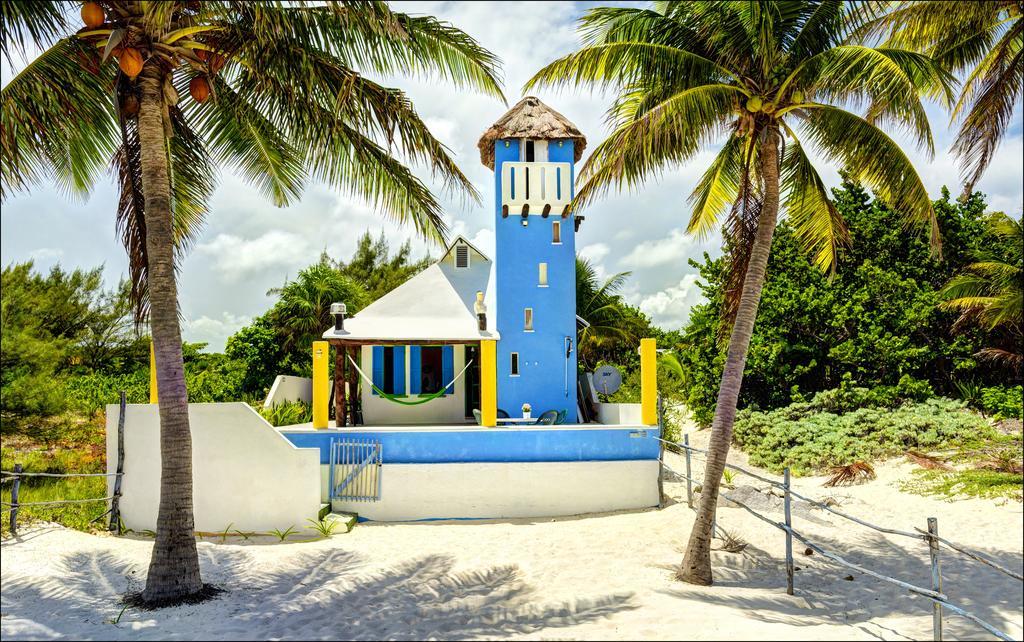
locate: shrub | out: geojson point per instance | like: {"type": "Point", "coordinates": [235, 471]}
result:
{"type": "Point", "coordinates": [1002, 403]}
{"type": "Point", "coordinates": [807, 437]}
{"type": "Point", "coordinates": [288, 413]}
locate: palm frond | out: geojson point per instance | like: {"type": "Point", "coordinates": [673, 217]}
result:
{"type": "Point", "coordinates": [39, 23]}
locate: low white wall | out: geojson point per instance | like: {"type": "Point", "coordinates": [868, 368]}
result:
{"type": "Point", "coordinates": [289, 388]}
{"type": "Point", "coordinates": [443, 410]}
{"type": "Point", "coordinates": [539, 489]}
{"type": "Point", "coordinates": [615, 414]}
{"type": "Point", "coordinates": [245, 473]}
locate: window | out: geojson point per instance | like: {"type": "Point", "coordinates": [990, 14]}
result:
{"type": "Point", "coordinates": [556, 232]}
{"type": "Point", "coordinates": [462, 256]}
{"type": "Point", "coordinates": [528, 319]}
{"type": "Point", "coordinates": [529, 153]}
{"type": "Point", "coordinates": [431, 370]}
{"type": "Point", "coordinates": [542, 275]}
{"type": "Point", "coordinates": [514, 366]}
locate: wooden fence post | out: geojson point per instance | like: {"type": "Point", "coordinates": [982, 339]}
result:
{"type": "Point", "coordinates": [115, 501]}
{"type": "Point", "coordinates": [689, 474]}
{"type": "Point", "coordinates": [789, 533]}
{"type": "Point", "coordinates": [933, 550]}
{"type": "Point", "coordinates": [661, 454]}
{"type": "Point", "coordinates": [14, 499]}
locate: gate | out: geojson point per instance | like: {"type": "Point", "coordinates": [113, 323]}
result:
{"type": "Point", "coordinates": [355, 471]}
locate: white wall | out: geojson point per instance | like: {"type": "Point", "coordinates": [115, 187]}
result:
{"type": "Point", "coordinates": [539, 489]}
{"type": "Point", "coordinates": [616, 414]}
{"type": "Point", "coordinates": [289, 388]}
{"type": "Point", "coordinates": [443, 410]}
{"type": "Point", "coordinates": [245, 473]}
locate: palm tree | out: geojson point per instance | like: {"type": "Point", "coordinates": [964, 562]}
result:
{"type": "Point", "coordinates": [981, 40]}
{"type": "Point", "coordinates": [770, 80]}
{"type": "Point", "coordinates": [276, 90]}
{"type": "Point", "coordinates": [304, 305]}
{"type": "Point", "coordinates": [601, 307]}
{"type": "Point", "coordinates": [990, 293]}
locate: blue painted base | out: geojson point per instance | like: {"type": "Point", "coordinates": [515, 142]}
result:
{"type": "Point", "coordinates": [496, 445]}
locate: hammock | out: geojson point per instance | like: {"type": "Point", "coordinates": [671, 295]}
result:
{"type": "Point", "coordinates": [402, 402]}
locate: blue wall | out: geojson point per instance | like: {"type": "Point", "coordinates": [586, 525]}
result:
{"type": "Point", "coordinates": [475, 446]}
{"type": "Point", "coordinates": [519, 251]}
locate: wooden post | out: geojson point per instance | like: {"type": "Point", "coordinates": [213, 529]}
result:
{"type": "Point", "coordinates": [353, 388]}
{"type": "Point", "coordinates": [14, 499]}
{"type": "Point", "coordinates": [339, 385]}
{"type": "Point", "coordinates": [789, 533]}
{"type": "Point", "coordinates": [689, 473]}
{"type": "Point", "coordinates": [933, 550]}
{"type": "Point", "coordinates": [115, 502]}
{"type": "Point", "coordinates": [661, 454]}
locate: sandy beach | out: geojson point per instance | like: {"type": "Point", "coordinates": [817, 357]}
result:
{"type": "Point", "coordinates": [592, 577]}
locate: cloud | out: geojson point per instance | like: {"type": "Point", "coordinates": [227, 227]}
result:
{"type": "Point", "coordinates": [670, 308]}
{"type": "Point", "coordinates": [237, 258]}
{"type": "Point", "coordinates": [664, 251]}
{"type": "Point", "coordinates": [595, 252]}
{"type": "Point", "coordinates": [214, 332]}
{"type": "Point", "coordinates": [46, 254]}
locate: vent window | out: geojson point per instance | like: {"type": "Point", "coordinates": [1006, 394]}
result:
{"type": "Point", "coordinates": [514, 365]}
{"type": "Point", "coordinates": [528, 319]}
{"type": "Point", "coordinates": [529, 151]}
{"type": "Point", "coordinates": [542, 275]}
{"type": "Point", "coordinates": [556, 232]}
{"type": "Point", "coordinates": [462, 256]}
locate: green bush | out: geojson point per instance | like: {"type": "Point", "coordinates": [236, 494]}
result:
{"type": "Point", "coordinates": [809, 436]}
{"type": "Point", "coordinates": [1003, 403]}
{"type": "Point", "coordinates": [288, 413]}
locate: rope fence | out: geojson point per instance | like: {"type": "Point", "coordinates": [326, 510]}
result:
{"type": "Point", "coordinates": [15, 476]}
{"type": "Point", "coordinates": [939, 599]}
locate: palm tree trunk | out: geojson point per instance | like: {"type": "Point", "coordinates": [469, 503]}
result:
{"type": "Point", "coordinates": [696, 567]}
{"type": "Point", "coordinates": [174, 567]}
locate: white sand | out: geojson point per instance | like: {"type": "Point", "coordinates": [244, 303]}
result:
{"type": "Point", "coordinates": [596, 577]}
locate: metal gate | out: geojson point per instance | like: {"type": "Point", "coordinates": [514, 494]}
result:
{"type": "Point", "coordinates": [355, 471]}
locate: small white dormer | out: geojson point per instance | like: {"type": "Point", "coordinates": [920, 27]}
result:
{"type": "Point", "coordinates": [461, 255]}
{"type": "Point", "coordinates": [533, 151]}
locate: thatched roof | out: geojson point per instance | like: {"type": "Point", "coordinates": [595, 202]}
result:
{"type": "Point", "coordinates": [530, 118]}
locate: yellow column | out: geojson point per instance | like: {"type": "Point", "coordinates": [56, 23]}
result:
{"type": "Point", "coordinates": [648, 382]}
{"type": "Point", "coordinates": [321, 393]}
{"type": "Point", "coordinates": [152, 373]}
{"type": "Point", "coordinates": [489, 382]}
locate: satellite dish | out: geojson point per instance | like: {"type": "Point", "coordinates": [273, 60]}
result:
{"type": "Point", "coordinates": [607, 379]}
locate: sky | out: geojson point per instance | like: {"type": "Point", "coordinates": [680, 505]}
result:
{"type": "Point", "coordinates": [249, 246]}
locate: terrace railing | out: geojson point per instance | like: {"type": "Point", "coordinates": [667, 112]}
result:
{"type": "Point", "coordinates": [542, 188]}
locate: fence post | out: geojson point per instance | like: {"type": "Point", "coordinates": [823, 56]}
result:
{"type": "Point", "coordinates": [789, 533]}
{"type": "Point", "coordinates": [14, 499]}
{"type": "Point", "coordinates": [661, 454]}
{"type": "Point", "coordinates": [115, 501]}
{"type": "Point", "coordinates": [933, 550]}
{"type": "Point", "coordinates": [689, 475]}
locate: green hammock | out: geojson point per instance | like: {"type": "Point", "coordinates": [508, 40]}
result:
{"type": "Point", "coordinates": [402, 402]}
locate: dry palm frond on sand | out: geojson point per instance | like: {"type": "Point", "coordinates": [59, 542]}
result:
{"type": "Point", "coordinates": [855, 473]}
{"type": "Point", "coordinates": [931, 462]}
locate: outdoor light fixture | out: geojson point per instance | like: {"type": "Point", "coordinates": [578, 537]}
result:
{"type": "Point", "coordinates": [338, 310]}
{"type": "Point", "coordinates": [481, 311]}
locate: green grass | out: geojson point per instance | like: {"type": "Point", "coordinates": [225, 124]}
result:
{"type": "Point", "coordinates": [80, 449]}
{"type": "Point", "coordinates": [992, 484]}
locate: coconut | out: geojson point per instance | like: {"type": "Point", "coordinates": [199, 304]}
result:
{"type": "Point", "coordinates": [798, 96]}
{"type": "Point", "coordinates": [216, 62]}
{"type": "Point", "coordinates": [92, 14]}
{"type": "Point", "coordinates": [754, 104]}
{"type": "Point", "coordinates": [768, 108]}
{"type": "Point", "coordinates": [131, 62]}
{"type": "Point", "coordinates": [130, 105]}
{"type": "Point", "coordinates": [200, 53]}
{"type": "Point", "coordinates": [199, 87]}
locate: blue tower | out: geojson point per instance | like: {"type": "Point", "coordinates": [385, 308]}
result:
{"type": "Point", "coordinates": [533, 150]}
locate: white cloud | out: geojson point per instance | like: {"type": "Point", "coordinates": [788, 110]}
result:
{"type": "Point", "coordinates": [46, 254]}
{"type": "Point", "coordinates": [595, 252]}
{"type": "Point", "coordinates": [213, 331]}
{"type": "Point", "coordinates": [671, 250]}
{"type": "Point", "coordinates": [671, 307]}
{"type": "Point", "coordinates": [237, 258]}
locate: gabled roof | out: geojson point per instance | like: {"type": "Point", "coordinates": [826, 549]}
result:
{"type": "Point", "coordinates": [434, 305]}
{"type": "Point", "coordinates": [461, 240]}
{"type": "Point", "coordinates": [530, 118]}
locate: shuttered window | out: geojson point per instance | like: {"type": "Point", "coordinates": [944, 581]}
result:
{"type": "Point", "coordinates": [462, 256]}
{"type": "Point", "coordinates": [528, 319]}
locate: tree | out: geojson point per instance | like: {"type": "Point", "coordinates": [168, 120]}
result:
{"type": "Point", "coordinates": [610, 322]}
{"type": "Point", "coordinates": [990, 293]}
{"type": "Point", "coordinates": [771, 78]}
{"type": "Point", "coordinates": [982, 40]}
{"type": "Point", "coordinates": [303, 310]}
{"type": "Point", "coordinates": [378, 271]}
{"type": "Point", "coordinates": [277, 90]}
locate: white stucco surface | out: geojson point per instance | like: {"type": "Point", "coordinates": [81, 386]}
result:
{"type": "Point", "coordinates": [614, 414]}
{"type": "Point", "coordinates": [245, 473]}
{"type": "Point", "coordinates": [506, 490]}
{"type": "Point", "coordinates": [289, 388]}
{"type": "Point", "coordinates": [443, 410]}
